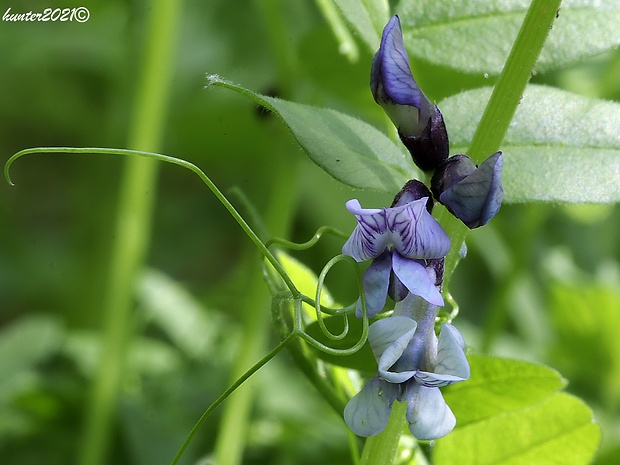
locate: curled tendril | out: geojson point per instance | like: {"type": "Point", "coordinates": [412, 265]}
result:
{"type": "Point", "coordinates": [317, 307]}
{"type": "Point", "coordinates": [316, 302]}
{"type": "Point", "coordinates": [319, 313]}
{"type": "Point", "coordinates": [444, 316]}
{"type": "Point", "coordinates": [306, 245]}
{"type": "Point", "coordinates": [295, 293]}
{"type": "Point", "coordinates": [175, 161]}
{"type": "Point", "coordinates": [291, 293]}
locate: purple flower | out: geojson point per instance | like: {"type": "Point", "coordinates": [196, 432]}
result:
{"type": "Point", "coordinates": [472, 193]}
{"type": "Point", "coordinates": [419, 122]}
{"type": "Point", "coordinates": [412, 365]}
{"type": "Point", "coordinates": [400, 240]}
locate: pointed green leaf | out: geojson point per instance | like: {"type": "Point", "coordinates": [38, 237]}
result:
{"type": "Point", "coordinates": [475, 36]}
{"type": "Point", "coordinates": [560, 146]}
{"type": "Point", "coordinates": [558, 431]}
{"type": "Point", "coordinates": [349, 149]}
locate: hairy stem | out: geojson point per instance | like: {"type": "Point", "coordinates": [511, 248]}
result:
{"type": "Point", "coordinates": [503, 104]}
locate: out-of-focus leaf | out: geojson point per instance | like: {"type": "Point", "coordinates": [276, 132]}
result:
{"type": "Point", "coordinates": [586, 314]}
{"type": "Point", "coordinates": [560, 146]}
{"type": "Point", "coordinates": [559, 430]}
{"type": "Point", "coordinates": [178, 314]}
{"type": "Point", "coordinates": [305, 280]}
{"type": "Point", "coordinates": [499, 385]}
{"type": "Point", "coordinates": [367, 18]}
{"type": "Point", "coordinates": [475, 36]}
{"type": "Point", "coordinates": [25, 343]}
{"type": "Point", "coordinates": [349, 149]}
{"type": "Point", "coordinates": [144, 356]}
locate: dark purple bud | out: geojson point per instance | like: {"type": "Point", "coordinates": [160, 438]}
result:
{"type": "Point", "coordinates": [431, 147]}
{"type": "Point", "coordinates": [473, 194]}
{"type": "Point", "coordinates": [419, 123]}
{"type": "Point", "coordinates": [413, 190]}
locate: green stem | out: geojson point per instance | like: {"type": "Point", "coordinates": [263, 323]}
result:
{"type": "Point", "coordinates": [346, 43]}
{"type": "Point", "coordinates": [278, 218]}
{"type": "Point", "coordinates": [261, 363]}
{"type": "Point", "coordinates": [132, 229]}
{"type": "Point", "coordinates": [382, 449]}
{"type": "Point", "coordinates": [175, 161]}
{"type": "Point", "coordinates": [503, 103]}
{"type": "Point", "coordinates": [513, 79]}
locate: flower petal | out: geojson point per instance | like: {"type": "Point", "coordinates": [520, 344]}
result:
{"type": "Point", "coordinates": [388, 340]}
{"type": "Point", "coordinates": [428, 414]}
{"type": "Point", "coordinates": [414, 275]}
{"type": "Point", "coordinates": [415, 233]}
{"type": "Point", "coordinates": [370, 236]}
{"type": "Point", "coordinates": [478, 197]}
{"type": "Point", "coordinates": [376, 281]}
{"type": "Point", "coordinates": [393, 86]}
{"type": "Point", "coordinates": [452, 366]}
{"type": "Point", "coordinates": [368, 411]}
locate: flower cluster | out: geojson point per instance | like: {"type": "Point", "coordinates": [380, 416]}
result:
{"type": "Point", "coordinates": [407, 247]}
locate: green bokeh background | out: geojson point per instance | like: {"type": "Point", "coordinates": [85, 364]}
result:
{"type": "Point", "coordinates": [542, 282]}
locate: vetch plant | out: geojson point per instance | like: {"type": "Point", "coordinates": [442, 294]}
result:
{"type": "Point", "coordinates": [394, 358]}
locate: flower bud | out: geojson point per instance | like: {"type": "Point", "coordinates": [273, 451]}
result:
{"type": "Point", "coordinates": [413, 190]}
{"type": "Point", "coordinates": [473, 194]}
{"type": "Point", "coordinates": [419, 122]}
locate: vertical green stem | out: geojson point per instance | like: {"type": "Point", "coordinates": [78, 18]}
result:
{"type": "Point", "coordinates": [513, 79]}
{"type": "Point", "coordinates": [130, 241]}
{"type": "Point", "coordinates": [382, 449]}
{"type": "Point", "coordinates": [347, 45]}
{"type": "Point", "coordinates": [235, 418]}
{"type": "Point", "coordinates": [504, 101]}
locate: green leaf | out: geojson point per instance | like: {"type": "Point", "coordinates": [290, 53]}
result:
{"type": "Point", "coordinates": [146, 356]}
{"type": "Point", "coordinates": [305, 280]}
{"type": "Point", "coordinates": [27, 342]}
{"type": "Point", "coordinates": [349, 149]}
{"type": "Point", "coordinates": [577, 326]}
{"type": "Point", "coordinates": [499, 385]}
{"type": "Point", "coordinates": [475, 36]}
{"type": "Point", "coordinates": [178, 314]}
{"type": "Point", "coordinates": [558, 431]}
{"type": "Point", "coordinates": [367, 18]}
{"type": "Point", "coordinates": [560, 146]}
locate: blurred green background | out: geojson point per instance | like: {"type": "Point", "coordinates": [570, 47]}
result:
{"type": "Point", "coordinates": [541, 282]}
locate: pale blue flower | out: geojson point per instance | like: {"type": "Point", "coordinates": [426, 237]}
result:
{"type": "Point", "coordinates": [399, 240]}
{"type": "Point", "coordinates": [412, 365]}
